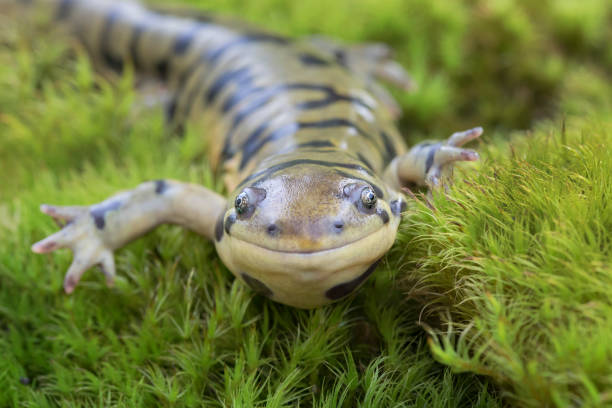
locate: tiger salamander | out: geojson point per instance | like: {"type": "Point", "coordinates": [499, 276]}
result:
{"type": "Point", "coordinates": [301, 131]}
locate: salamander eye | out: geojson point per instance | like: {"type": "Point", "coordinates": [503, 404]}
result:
{"type": "Point", "coordinates": [368, 198]}
{"type": "Point", "coordinates": [242, 203]}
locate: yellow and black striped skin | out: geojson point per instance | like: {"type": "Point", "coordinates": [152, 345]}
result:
{"type": "Point", "coordinates": [289, 125]}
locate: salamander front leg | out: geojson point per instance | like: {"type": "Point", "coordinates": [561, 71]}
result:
{"type": "Point", "coordinates": [94, 232]}
{"type": "Point", "coordinates": [431, 163]}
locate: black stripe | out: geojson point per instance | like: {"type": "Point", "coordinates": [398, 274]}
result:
{"type": "Point", "coordinates": [98, 211]}
{"type": "Point", "coordinates": [259, 130]}
{"type": "Point", "coordinates": [334, 122]}
{"type": "Point", "coordinates": [188, 73]}
{"type": "Point", "coordinates": [398, 206]}
{"type": "Point", "coordinates": [160, 186]}
{"type": "Point", "coordinates": [281, 166]}
{"type": "Point", "coordinates": [341, 58]}
{"type": "Point", "coordinates": [237, 97]}
{"type": "Point", "coordinates": [258, 35]}
{"type": "Point", "coordinates": [267, 92]}
{"type": "Point", "coordinates": [219, 229]}
{"type": "Point", "coordinates": [134, 54]}
{"type": "Point", "coordinates": [185, 39]}
{"type": "Point", "coordinates": [161, 68]}
{"type": "Point", "coordinates": [330, 99]}
{"type": "Point", "coordinates": [273, 90]}
{"type": "Point", "coordinates": [211, 57]}
{"type": "Point", "coordinates": [311, 59]}
{"type": "Point", "coordinates": [239, 76]}
{"type": "Point", "coordinates": [187, 101]}
{"type": "Point", "coordinates": [112, 61]}
{"type": "Point", "coordinates": [229, 221]}
{"type": "Point", "coordinates": [251, 146]}
{"type": "Point", "coordinates": [344, 289]}
{"type": "Point", "coordinates": [384, 215]}
{"type": "Point", "coordinates": [260, 100]}
{"type": "Point", "coordinates": [257, 285]}
{"type": "Point", "coordinates": [171, 110]}
{"type": "Point", "coordinates": [365, 161]}
{"type": "Point", "coordinates": [430, 156]}
{"type": "Point", "coordinates": [263, 95]}
{"type": "Point", "coordinates": [389, 148]}
{"type": "Point", "coordinates": [315, 144]}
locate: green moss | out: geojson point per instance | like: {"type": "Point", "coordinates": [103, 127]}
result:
{"type": "Point", "coordinates": [510, 274]}
{"type": "Point", "coordinates": [521, 259]}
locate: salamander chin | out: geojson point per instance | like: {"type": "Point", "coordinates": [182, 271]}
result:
{"type": "Point", "coordinates": [307, 279]}
{"type": "Point", "coordinates": [304, 251]}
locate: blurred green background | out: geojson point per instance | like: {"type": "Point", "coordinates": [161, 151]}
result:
{"type": "Point", "coordinates": [497, 294]}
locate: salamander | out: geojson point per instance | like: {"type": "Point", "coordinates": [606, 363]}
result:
{"type": "Point", "coordinates": [301, 131]}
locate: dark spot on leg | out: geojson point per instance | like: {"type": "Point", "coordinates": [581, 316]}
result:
{"type": "Point", "coordinates": [229, 221]}
{"type": "Point", "coordinates": [160, 186]}
{"type": "Point", "coordinates": [219, 229]}
{"type": "Point", "coordinates": [344, 289]}
{"type": "Point", "coordinates": [398, 206]}
{"type": "Point", "coordinates": [273, 230]}
{"type": "Point", "coordinates": [384, 216]}
{"type": "Point", "coordinates": [339, 226]}
{"type": "Point", "coordinates": [257, 285]}
{"type": "Point", "coordinates": [98, 212]}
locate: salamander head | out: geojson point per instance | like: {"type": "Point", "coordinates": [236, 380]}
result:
{"type": "Point", "coordinates": [296, 235]}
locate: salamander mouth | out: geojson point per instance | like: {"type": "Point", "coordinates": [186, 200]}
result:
{"type": "Point", "coordinates": [314, 251]}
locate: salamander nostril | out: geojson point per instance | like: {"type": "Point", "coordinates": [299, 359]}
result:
{"type": "Point", "coordinates": [272, 230]}
{"type": "Point", "coordinates": [338, 225]}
